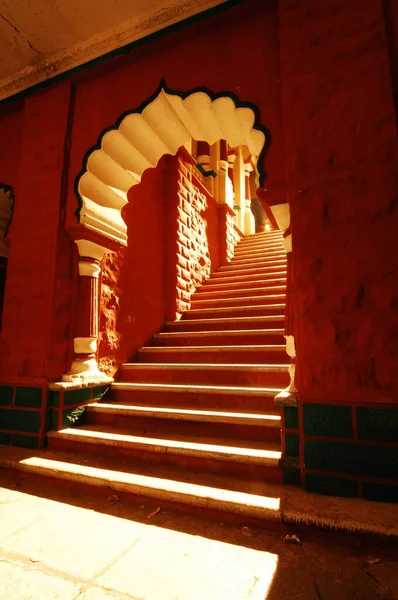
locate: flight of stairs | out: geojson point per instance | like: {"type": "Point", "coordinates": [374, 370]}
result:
{"type": "Point", "coordinates": [193, 420]}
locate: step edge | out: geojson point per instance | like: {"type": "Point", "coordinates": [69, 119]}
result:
{"type": "Point", "coordinates": [194, 497]}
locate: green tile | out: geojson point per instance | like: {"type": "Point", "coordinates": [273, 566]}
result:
{"type": "Point", "coordinates": [74, 417]}
{"type": "Point", "coordinates": [25, 441]}
{"type": "Point", "coordinates": [381, 492]}
{"type": "Point", "coordinates": [291, 417]}
{"type": "Point", "coordinates": [331, 486]}
{"type": "Point", "coordinates": [21, 420]}
{"type": "Point", "coordinates": [30, 397]}
{"type": "Point", "coordinates": [99, 392]}
{"type": "Point", "coordinates": [377, 424]}
{"type": "Point", "coordinates": [292, 444]}
{"type": "Point", "coordinates": [77, 396]}
{"type": "Point", "coordinates": [6, 394]}
{"type": "Point", "coordinates": [360, 459]}
{"type": "Point", "coordinates": [5, 438]}
{"type": "Point", "coordinates": [291, 476]}
{"type": "Point", "coordinates": [327, 420]}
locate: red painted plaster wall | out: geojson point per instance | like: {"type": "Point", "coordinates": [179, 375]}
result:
{"type": "Point", "coordinates": [11, 124]}
{"type": "Point", "coordinates": [132, 302]}
{"type": "Point", "coordinates": [391, 25]}
{"type": "Point", "coordinates": [26, 339]}
{"type": "Point", "coordinates": [342, 163]}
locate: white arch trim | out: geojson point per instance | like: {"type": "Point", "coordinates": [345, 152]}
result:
{"type": "Point", "coordinates": [141, 138]}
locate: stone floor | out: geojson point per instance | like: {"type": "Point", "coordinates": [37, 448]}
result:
{"type": "Point", "coordinates": [60, 544]}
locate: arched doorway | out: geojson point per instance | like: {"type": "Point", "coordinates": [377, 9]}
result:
{"type": "Point", "coordinates": [223, 135]}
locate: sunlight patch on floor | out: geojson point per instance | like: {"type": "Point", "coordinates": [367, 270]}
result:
{"type": "Point", "coordinates": [104, 552]}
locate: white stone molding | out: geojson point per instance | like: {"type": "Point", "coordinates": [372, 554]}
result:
{"type": "Point", "coordinates": [85, 345]}
{"type": "Point", "coordinates": [141, 139]}
{"type": "Point", "coordinates": [89, 249]}
{"type": "Point", "coordinates": [287, 243]}
{"type": "Point", "coordinates": [281, 213]}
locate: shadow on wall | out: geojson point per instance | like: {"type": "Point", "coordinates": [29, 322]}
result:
{"type": "Point", "coordinates": [132, 302]}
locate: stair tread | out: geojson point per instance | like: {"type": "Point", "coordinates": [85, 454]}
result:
{"type": "Point", "coordinates": [226, 448]}
{"type": "Point", "coordinates": [255, 318]}
{"type": "Point", "coordinates": [244, 308]}
{"type": "Point", "coordinates": [188, 414]}
{"type": "Point", "coordinates": [171, 334]}
{"type": "Point", "coordinates": [208, 366]}
{"type": "Point", "coordinates": [244, 299]}
{"type": "Point", "coordinates": [201, 348]}
{"type": "Point", "coordinates": [197, 389]}
{"type": "Point", "coordinates": [169, 482]}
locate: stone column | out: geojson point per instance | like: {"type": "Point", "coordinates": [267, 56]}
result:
{"type": "Point", "coordinates": [84, 366]}
{"type": "Point", "coordinates": [249, 223]}
{"type": "Point", "coordinates": [204, 160]}
{"type": "Point", "coordinates": [224, 186]}
{"type": "Point", "coordinates": [239, 185]}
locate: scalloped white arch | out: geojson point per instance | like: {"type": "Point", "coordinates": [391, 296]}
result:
{"type": "Point", "coordinates": [142, 138]}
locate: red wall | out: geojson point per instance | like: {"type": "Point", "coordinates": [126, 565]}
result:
{"type": "Point", "coordinates": [343, 187]}
{"type": "Point", "coordinates": [28, 347]}
{"type": "Point", "coordinates": [132, 302]}
{"type": "Point", "coordinates": [11, 125]}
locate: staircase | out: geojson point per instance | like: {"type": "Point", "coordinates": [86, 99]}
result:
{"type": "Point", "coordinates": [193, 420]}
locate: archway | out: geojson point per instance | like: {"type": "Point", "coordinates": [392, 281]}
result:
{"type": "Point", "coordinates": [164, 123]}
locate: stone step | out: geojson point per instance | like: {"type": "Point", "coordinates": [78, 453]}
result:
{"type": "Point", "coordinates": [231, 271]}
{"type": "Point", "coordinates": [139, 420]}
{"type": "Point", "coordinates": [272, 374]}
{"type": "Point", "coordinates": [266, 284]}
{"type": "Point", "coordinates": [230, 323]}
{"type": "Point", "coordinates": [237, 311]}
{"type": "Point", "coordinates": [215, 338]}
{"type": "Point", "coordinates": [257, 263]}
{"type": "Point", "coordinates": [241, 292]}
{"type": "Point", "coordinates": [270, 279]}
{"type": "Point", "coordinates": [266, 246]}
{"type": "Point", "coordinates": [229, 355]}
{"type": "Point", "coordinates": [205, 397]}
{"type": "Point", "coordinates": [225, 455]}
{"type": "Point", "coordinates": [242, 253]}
{"type": "Point", "coordinates": [263, 299]}
{"type": "Point", "coordinates": [244, 497]}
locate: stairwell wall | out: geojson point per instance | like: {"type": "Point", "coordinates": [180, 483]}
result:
{"type": "Point", "coordinates": [341, 138]}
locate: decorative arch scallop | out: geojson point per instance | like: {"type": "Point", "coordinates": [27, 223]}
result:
{"type": "Point", "coordinates": [161, 125]}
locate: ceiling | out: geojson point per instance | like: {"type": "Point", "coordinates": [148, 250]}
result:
{"type": "Point", "coordinates": [43, 38]}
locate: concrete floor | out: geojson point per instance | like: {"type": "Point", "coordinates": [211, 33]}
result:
{"type": "Point", "coordinates": [64, 544]}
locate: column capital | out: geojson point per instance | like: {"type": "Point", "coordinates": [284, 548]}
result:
{"type": "Point", "coordinates": [89, 249]}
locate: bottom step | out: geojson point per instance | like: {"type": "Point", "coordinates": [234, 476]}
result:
{"type": "Point", "coordinates": [238, 496]}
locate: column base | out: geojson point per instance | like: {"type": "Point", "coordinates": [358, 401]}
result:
{"type": "Point", "coordinates": [85, 372]}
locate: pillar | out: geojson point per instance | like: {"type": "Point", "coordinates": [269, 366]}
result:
{"type": "Point", "coordinates": [249, 223]}
{"type": "Point", "coordinates": [203, 150]}
{"type": "Point", "coordinates": [239, 186]}
{"type": "Point", "coordinates": [224, 186]}
{"type": "Point", "coordinates": [84, 365]}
